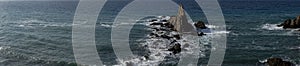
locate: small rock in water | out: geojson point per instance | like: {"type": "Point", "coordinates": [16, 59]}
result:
{"type": "Point", "coordinates": [200, 25]}
{"type": "Point", "coordinates": [278, 62]}
{"type": "Point", "coordinates": [175, 49]}
{"type": "Point", "coordinates": [201, 34]}
{"type": "Point", "coordinates": [164, 20]}
{"type": "Point", "coordinates": [177, 36]}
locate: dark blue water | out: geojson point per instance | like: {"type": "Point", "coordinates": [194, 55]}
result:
{"type": "Point", "coordinates": [35, 33]}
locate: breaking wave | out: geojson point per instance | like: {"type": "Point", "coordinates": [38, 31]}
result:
{"type": "Point", "coordinates": [271, 27]}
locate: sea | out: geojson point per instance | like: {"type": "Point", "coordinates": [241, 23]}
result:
{"type": "Point", "coordinates": [39, 33]}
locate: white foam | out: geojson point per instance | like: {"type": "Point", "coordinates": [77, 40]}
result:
{"type": "Point", "coordinates": [211, 26]}
{"type": "Point", "coordinates": [40, 23]}
{"type": "Point", "coordinates": [271, 27]}
{"type": "Point", "coordinates": [219, 32]}
{"type": "Point", "coordinates": [105, 25]}
{"type": "Point", "coordinates": [4, 47]}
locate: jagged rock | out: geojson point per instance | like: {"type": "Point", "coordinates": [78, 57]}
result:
{"type": "Point", "coordinates": [200, 25]}
{"type": "Point", "coordinates": [175, 49]}
{"type": "Point", "coordinates": [289, 23]}
{"type": "Point", "coordinates": [278, 62]}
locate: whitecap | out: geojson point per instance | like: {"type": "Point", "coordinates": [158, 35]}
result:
{"type": "Point", "coordinates": [4, 47]}
{"type": "Point", "coordinates": [219, 32]}
{"type": "Point", "coordinates": [105, 25]}
{"type": "Point", "coordinates": [212, 26]}
{"type": "Point", "coordinates": [271, 27]}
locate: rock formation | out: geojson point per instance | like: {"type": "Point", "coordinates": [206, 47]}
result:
{"type": "Point", "coordinates": [289, 23]}
{"type": "Point", "coordinates": [200, 25]}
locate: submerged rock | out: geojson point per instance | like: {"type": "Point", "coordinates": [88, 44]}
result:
{"type": "Point", "coordinates": [289, 23]}
{"type": "Point", "coordinates": [200, 25]}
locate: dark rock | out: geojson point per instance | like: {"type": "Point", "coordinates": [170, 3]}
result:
{"type": "Point", "coordinates": [146, 57]}
{"type": "Point", "coordinates": [200, 25]}
{"type": "Point", "coordinates": [175, 49]}
{"type": "Point", "coordinates": [164, 20]}
{"type": "Point", "coordinates": [173, 41]}
{"type": "Point", "coordinates": [278, 62]}
{"type": "Point", "coordinates": [156, 23]}
{"type": "Point", "coordinates": [177, 36]}
{"type": "Point", "coordinates": [153, 20]}
{"type": "Point", "coordinates": [166, 37]}
{"type": "Point", "coordinates": [201, 34]}
{"type": "Point", "coordinates": [153, 34]}
{"type": "Point", "coordinates": [289, 23]}
{"type": "Point", "coordinates": [170, 25]}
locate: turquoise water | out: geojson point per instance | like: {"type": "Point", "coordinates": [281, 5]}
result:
{"type": "Point", "coordinates": [34, 33]}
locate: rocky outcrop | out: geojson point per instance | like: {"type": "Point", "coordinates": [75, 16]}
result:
{"type": "Point", "coordinates": [278, 62]}
{"type": "Point", "coordinates": [289, 23]}
{"type": "Point", "coordinates": [200, 25]}
{"type": "Point", "coordinates": [175, 49]}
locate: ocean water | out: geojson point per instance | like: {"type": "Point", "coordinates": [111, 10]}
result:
{"type": "Point", "coordinates": [38, 33]}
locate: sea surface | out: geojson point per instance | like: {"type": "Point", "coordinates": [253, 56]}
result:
{"type": "Point", "coordinates": [39, 33]}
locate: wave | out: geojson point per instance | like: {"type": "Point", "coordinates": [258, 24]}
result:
{"type": "Point", "coordinates": [106, 25]}
{"type": "Point", "coordinates": [40, 23]}
{"type": "Point", "coordinates": [271, 27]}
{"type": "Point", "coordinates": [211, 26]}
{"type": "Point", "coordinates": [4, 47]}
